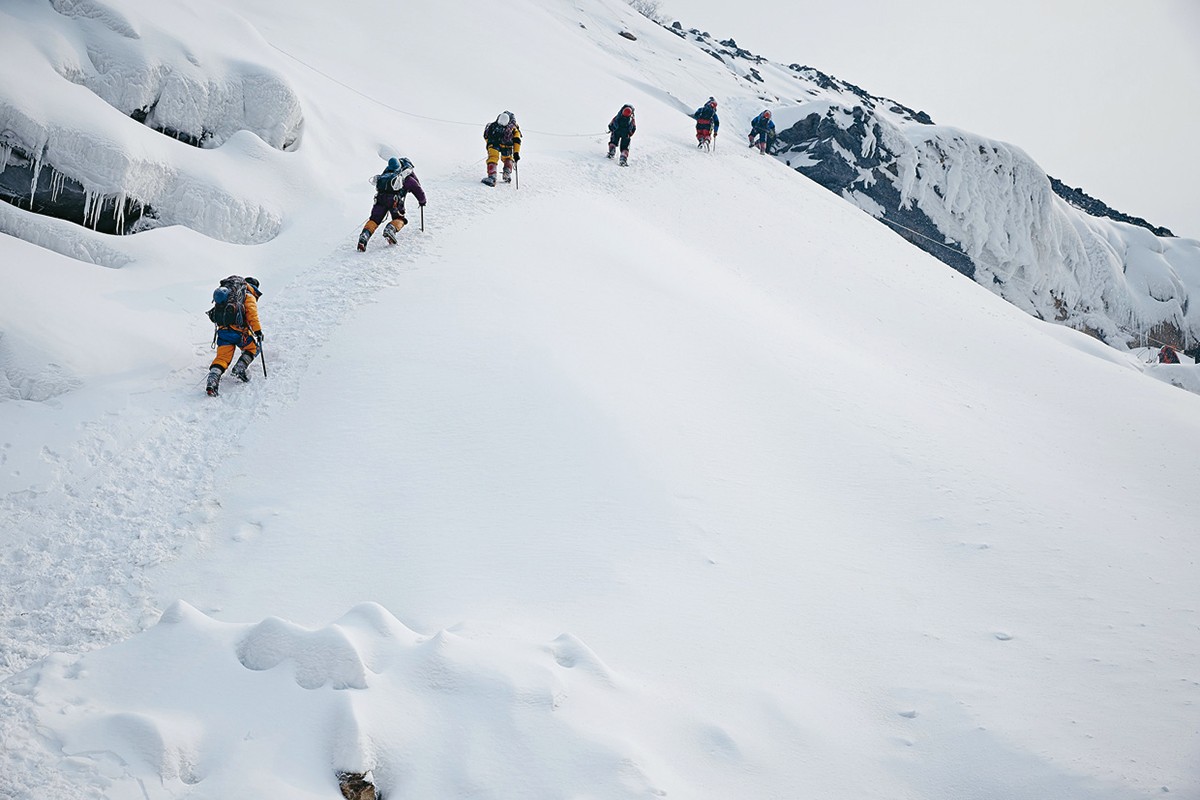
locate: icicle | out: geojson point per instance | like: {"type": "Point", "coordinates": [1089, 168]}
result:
{"type": "Point", "coordinates": [98, 210]}
{"type": "Point", "coordinates": [119, 212]}
{"type": "Point", "coordinates": [57, 181]}
{"type": "Point", "coordinates": [5, 151]}
{"type": "Point", "coordinates": [93, 207]}
{"type": "Point", "coordinates": [37, 171]}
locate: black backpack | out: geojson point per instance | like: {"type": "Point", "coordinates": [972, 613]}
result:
{"type": "Point", "coordinates": [383, 183]}
{"type": "Point", "coordinates": [229, 303]}
{"type": "Point", "coordinates": [501, 135]}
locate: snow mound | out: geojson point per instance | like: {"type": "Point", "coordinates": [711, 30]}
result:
{"type": "Point", "coordinates": [201, 98]}
{"type": "Point", "coordinates": [340, 655]}
{"type": "Point", "coordinates": [193, 702]}
{"type": "Point", "coordinates": [65, 154]}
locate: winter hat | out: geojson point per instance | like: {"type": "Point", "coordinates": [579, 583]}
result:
{"type": "Point", "coordinates": [393, 164]}
{"type": "Point", "coordinates": [504, 118]}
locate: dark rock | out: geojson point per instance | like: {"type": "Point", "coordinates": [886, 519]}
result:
{"type": "Point", "coordinates": [203, 139]}
{"type": "Point", "coordinates": [629, 36]}
{"type": "Point", "coordinates": [1090, 205]}
{"type": "Point", "coordinates": [42, 189]}
{"type": "Point", "coordinates": [827, 143]}
{"type": "Point", "coordinates": [355, 786]}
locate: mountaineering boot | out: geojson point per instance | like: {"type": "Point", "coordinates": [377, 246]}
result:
{"type": "Point", "coordinates": [239, 369]}
{"type": "Point", "coordinates": [612, 150]}
{"type": "Point", "coordinates": [389, 233]}
{"type": "Point", "coordinates": [363, 238]}
{"type": "Point", "coordinates": [213, 382]}
{"type": "Point", "coordinates": [490, 180]}
{"type": "Point", "coordinates": [624, 162]}
{"type": "Point", "coordinates": [507, 176]}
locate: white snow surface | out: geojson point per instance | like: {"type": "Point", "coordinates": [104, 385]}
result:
{"type": "Point", "coordinates": [683, 480]}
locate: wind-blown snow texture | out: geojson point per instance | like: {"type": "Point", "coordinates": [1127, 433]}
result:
{"type": "Point", "coordinates": [687, 479]}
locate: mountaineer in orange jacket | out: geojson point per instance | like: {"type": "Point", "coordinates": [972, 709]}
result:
{"type": "Point", "coordinates": [235, 313]}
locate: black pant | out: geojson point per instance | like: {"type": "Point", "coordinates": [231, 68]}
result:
{"type": "Point", "coordinates": [620, 141]}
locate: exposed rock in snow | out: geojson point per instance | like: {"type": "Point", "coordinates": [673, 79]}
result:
{"type": "Point", "coordinates": [1090, 205]}
{"type": "Point", "coordinates": [356, 786]}
{"type": "Point", "coordinates": [989, 211]}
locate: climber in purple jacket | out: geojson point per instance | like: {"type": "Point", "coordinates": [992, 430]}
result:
{"type": "Point", "coordinates": [390, 189]}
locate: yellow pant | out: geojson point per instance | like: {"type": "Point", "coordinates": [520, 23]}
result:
{"type": "Point", "coordinates": [494, 158]}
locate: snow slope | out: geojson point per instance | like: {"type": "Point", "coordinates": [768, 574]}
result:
{"type": "Point", "coordinates": [686, 480]}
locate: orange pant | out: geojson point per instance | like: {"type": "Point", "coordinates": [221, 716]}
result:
{"type": "Point", "coordinates": [225, 351]}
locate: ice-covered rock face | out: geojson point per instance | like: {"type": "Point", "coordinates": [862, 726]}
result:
{"type": "Point", "coordinates": [986, 209]}
{"type": "Point", "coordinates": [88, 99]}
{"type": "Point", "coordinates": [983, 207]}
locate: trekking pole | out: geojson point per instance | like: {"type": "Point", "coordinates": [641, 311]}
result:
{"type": "Point", "coordinates": [422, 219]}
{"type": "Point", "coordinates": [262, 357]}
{"type": "Point", "coordinates": [517, 175]}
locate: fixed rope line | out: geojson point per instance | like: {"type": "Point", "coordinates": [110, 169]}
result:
{"type": "Point", "coordinates": [390, 107]}
{"type": "Point", "coordinates": [377, 101]}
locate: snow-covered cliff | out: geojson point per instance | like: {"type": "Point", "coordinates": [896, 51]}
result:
{"type": "Point", "coordinates": [113, 123]}
{"type": "Point", "coordinates": [982, 206]}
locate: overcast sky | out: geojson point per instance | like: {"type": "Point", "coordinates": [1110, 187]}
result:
{"type": "Point", "coordinates": [1104, 94]}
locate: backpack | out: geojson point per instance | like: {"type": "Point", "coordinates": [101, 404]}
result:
{"type": "Point", "coordinates": [502, 135]}
{"type": "Point", "coordinates": [705, 112]}
{"type": "Point", "coordinates": [623, 123]}
{"type": "Point", "coordinates": [1167, 355]}
{"type": "Point", "coordinates": [383, 183]}
{"type": "Point", "coordinates": [229, 303]}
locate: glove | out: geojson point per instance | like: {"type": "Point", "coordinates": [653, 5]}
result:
{"type": "Point", "coordinates": [422, 205]}
{"type": "Point", "coordinates": [259, 336]}
{"type": "Point", "coordinates": [516, 156]}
